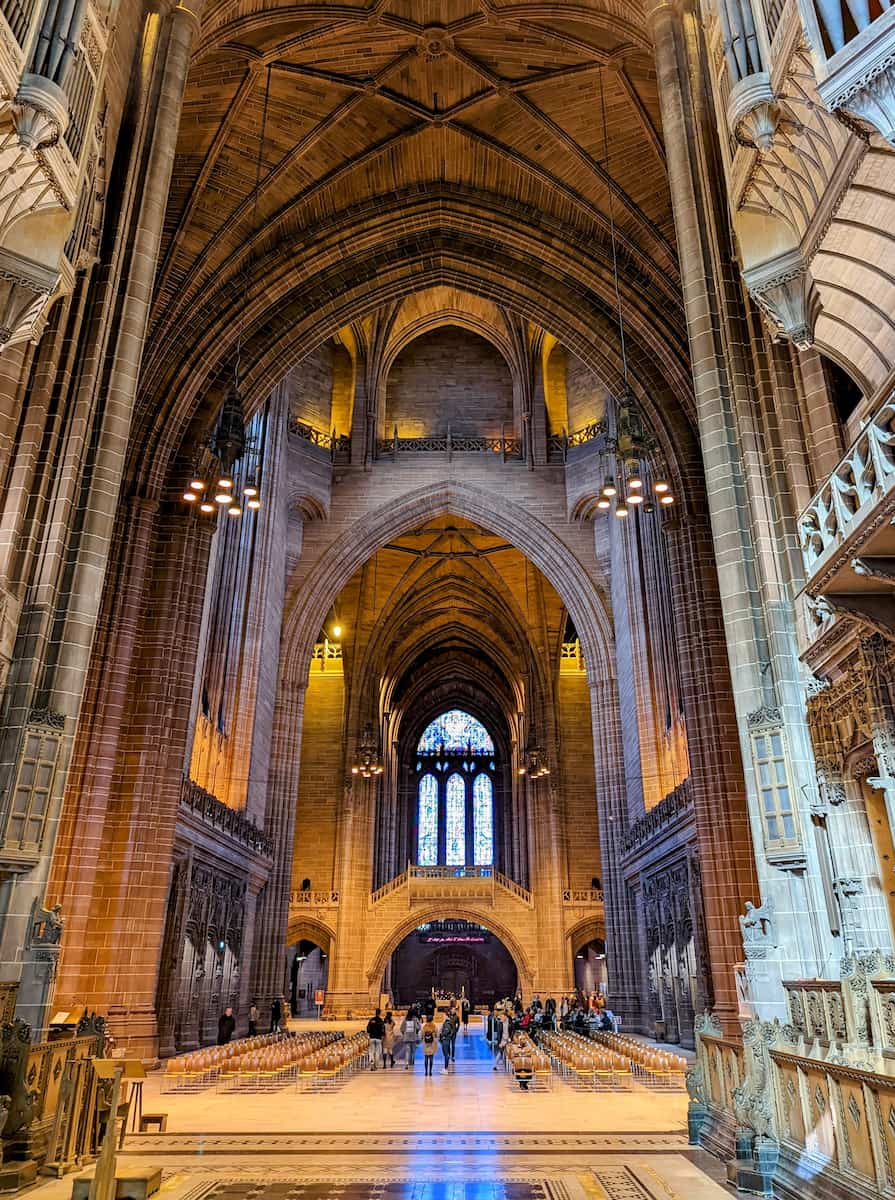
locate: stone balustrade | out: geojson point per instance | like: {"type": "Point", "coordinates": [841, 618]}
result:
{"type": "Point", "coordinates": [579, 896]}
{"type": "Point", "coordinates": [852, 494]}
{"type": "Point", "coordinates": [313, 899]}
{"type": "Point", "coordinates": [452, 883]}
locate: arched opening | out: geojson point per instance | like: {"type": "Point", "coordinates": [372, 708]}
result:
{"type": "Point", "coordinates": [450, 957]}
{"type": "Point", "coordinates": [308, 975]}
{"type": "Point", "coordinates": [590, 966]}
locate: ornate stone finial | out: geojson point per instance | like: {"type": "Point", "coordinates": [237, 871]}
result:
{"type": "Point", "coordinates": [757, 927]}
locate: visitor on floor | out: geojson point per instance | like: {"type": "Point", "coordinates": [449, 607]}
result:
{"type": "Point", "coordinates": [430, 1044]}
{"type": "Point", "coordinates": [410, 1036]}
{"type": "Point", "coordinates": [464, 1014]}
{"type": "Point", "coordinates": [389, 1039]}
{"type": "Point", "coordinates": [446, 1036]}
{"type": "Point", "coordinates": [253, 1019]}
{"type": "Point", "coordinates": [375, 1032]}
{"type": "Point", "coordinates": [276, 1015]}
{"type": "Point", "coordinates": [226, 1026]}
{"type": "Point", "coordinates": [503, 1037]}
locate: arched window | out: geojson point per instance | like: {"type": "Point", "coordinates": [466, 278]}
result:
{"type": "Point", "coordinates": [455, 792]}
{"type": "Point", "coordinates": [455, 732]}
{"type": "Point", "coordinates": [427, 840]}
{"type": "Point", "coordinates": [483, 819]}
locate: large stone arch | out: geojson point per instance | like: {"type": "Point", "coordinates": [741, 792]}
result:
{"type": "Point", "coordinates": [450, 497]}
{"type": "Point", "coordinates": [584, 931]}
{"type": "Point", "coordinates": [299, 297]}
{"type": "Point", "coordinates": [311, 929]}
{"type": "Point", "coordinates": [450, 910]}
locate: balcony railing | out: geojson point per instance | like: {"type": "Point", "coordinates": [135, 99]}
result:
{"type": "Point", "coordinates": [451, 443]}
{"type": "Point", "coordinates": [841, 21]}
{"type": "Point", "coordinates": [573, 897]}
{"type": "Point", "coordinates": [314, 899]}
{"type": "Point", "coordinates": [864, 478]}
{"type": "Point", "coordinates": [338, 445]}
{"type": "Point", "coordinates": [476, 883]}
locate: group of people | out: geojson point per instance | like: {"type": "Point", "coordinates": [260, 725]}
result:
{"type": "Point", "coordinates": [394, 1041]}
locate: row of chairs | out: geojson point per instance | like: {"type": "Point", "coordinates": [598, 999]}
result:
{"type": "Point", "coordinates": [657, 1068]}
{"type": "Point", "coordinates": [531, 1067]}
{"type": "Point", "coordinates": [589, 1064]}
{"type": "Point", "coordinates": [308, 1070]}
{"type": "Point", "coordinates": [200, 1069]}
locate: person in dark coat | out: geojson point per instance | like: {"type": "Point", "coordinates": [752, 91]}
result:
{"type": "Point", "coordinates": [226, 1026]}
{"type": "Point", "coordinates": [276, 1015]}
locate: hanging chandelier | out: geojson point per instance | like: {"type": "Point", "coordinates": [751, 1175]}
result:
{"type": "Point", "coordinates": [216, 489]}
{"type": "Point", "coordinates": [629, 479]}
{"type": "Point", "coordinates": [534, 763]}
{"type": "Point", "coordinates": [367, 763]}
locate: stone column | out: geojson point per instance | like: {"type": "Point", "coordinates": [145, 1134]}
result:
{"type": "Point", "coordinates": [756, 587]}
{"type": "Point", "coordinates": [621, 927]}
{"type": "Point", "coordinates": [57, 628]}
{"type": "Point", "coordinates": [269, 969]}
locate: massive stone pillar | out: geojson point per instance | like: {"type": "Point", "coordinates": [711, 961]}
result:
{"type": "Point", "coordinates": [621, 927]}
{"type": "Point", "coordinates": [62, 595]}
{"type": "Point", "coordinates": [756, 588]}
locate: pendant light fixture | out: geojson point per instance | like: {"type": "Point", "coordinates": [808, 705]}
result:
{"type": "Point", "coordinates": [367, 762]}
{"type": "Point", "coordinates": [217, 490]}
{"type": "Point", "coordinates": [628, 480]}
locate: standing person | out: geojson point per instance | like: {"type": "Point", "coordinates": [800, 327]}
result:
{"type": "Point", "coordinates": [253, 1018]}
{"type": "Point", "coordinates": [446, 1036]}
{"type": "Point", "coordinates": [464, 1014]}
{"type": "Point", "coordinates": [502, 1033]}
{"type": "Point", "coordinates": [410, 1033]}
{"type": "Point", "coordinates": [276, 1015]}
{"type": "Point", "coordinates": [375, 1031]}
{"type": "Point", "coordinates": [389, 1038]}
{"type": "Point", "coordinates": [226, 1026]}
{"type": "Point", "coordinates": [455, 1021]}
{"type": "Point", "coordinates": [430, 1044]}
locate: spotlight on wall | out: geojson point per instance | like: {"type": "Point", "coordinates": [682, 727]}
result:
{"type": "Point", "coordinates": [337, 631]}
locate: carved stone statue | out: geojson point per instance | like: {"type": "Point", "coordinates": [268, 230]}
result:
{"type": "Point", "coordinates": [757, 927]}
{"type": "Point", "coordinates": [47, 926]}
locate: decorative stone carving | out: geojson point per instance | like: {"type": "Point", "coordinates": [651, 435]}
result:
{"type": "Point", "coordinates": [784, 290]}
{"type": "Point", "coordinates": [757, 928]}
{"type": "Point", "coordinates": [753, 113]}
{"type": "Point", "coordinates": [25, 288]}
{"type": "Point", "coordinates": [40, 112]}
{"type": "Point", "coordinates": [766, 717]}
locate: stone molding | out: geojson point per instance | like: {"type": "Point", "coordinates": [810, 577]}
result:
{"type": "Point", "coordinates": [784, 290]}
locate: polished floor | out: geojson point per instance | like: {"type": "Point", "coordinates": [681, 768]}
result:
{"type": "Point", "coordinates": [471, 1134]}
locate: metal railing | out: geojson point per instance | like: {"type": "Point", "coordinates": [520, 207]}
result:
{"type": "Point", "coordinates": [507, 448]}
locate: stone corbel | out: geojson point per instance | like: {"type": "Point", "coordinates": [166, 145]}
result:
{"type": "Point", "coordinates": [784, 290]}
{"type": "Point", "coordinates": [752, 112]}
{"type": "Point", "coordinates": [861, 81]}
{"type": "Point", "coordinates": [40, 112]}
{"type": "Point", "coordinates": [25, 288]}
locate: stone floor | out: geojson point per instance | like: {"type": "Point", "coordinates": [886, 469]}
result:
{"type": "Point", "coordinates": [390, 1135]}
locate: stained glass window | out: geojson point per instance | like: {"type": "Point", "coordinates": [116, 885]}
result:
{"type": "Point", "coordinates": [427, 841]}
{"type": "Point", "coordinates": [483, 821]}
{"type": "Point", "coordinates": [455, 730]}
{"type": "Point", "coordinates": [456, 821]}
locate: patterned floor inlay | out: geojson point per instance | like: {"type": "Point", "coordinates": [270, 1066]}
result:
{"type": "Point", "coordinates": [402, 1143]}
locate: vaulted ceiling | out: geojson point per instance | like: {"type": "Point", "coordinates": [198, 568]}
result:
{"type": "Point", "coordinates": [406, 143]}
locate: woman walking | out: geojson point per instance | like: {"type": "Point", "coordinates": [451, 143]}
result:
{"type": "Point", "coordinates": [410, 1035]}
{"type": "Point", "coordinates": [430, 1044]}
{"type": "Point", "coordinates": [389, 1037]}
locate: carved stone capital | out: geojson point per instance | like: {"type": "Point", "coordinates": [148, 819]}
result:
{"type": "Point", "coordinates": [752, 111]}
{"type": "Point", "coordinates": [862, 80]}
{"type": "Point", "coordinates": [25, 288]}
{"type": "Point", "coordinates": [40, 112]}
{"type": "Point", "coordinates": [784, 290]}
